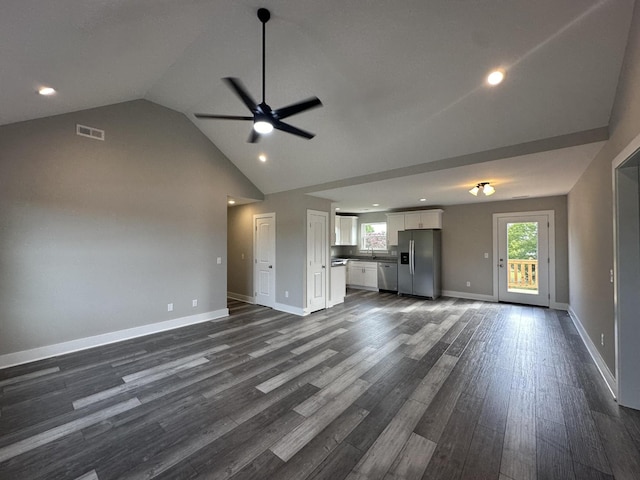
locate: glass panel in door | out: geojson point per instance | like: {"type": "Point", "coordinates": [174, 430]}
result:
{"type": "Point", "coordinates": [523, 256]}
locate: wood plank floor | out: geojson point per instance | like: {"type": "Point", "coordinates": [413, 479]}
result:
{"type": "Point", "coordinates": [381, 387]}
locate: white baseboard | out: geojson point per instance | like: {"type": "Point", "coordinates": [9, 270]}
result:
{"type": "Point", "coordinates": [281, 307]}
{"type": "Point", "coordinates": [469, 296]}
{"type": "Point", "coordinates": [609, 379]}
{"type": "Point", "coordinates": [25, 356]}
{"type": "Point", "coordinates": [241, 298]}
{"type": "Point", "coordinates": [333, 303]}
{"type": "Point", "coordinates": [362, 287]}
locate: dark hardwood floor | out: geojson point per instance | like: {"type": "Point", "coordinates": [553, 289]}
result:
{"type": "Point", "coordinates": [381, 387]}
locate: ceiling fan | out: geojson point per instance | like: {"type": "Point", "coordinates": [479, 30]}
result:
{"type": "Point", "coordinates": [264, 118]}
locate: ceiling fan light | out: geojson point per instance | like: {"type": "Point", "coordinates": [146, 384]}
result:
{"type": "Point", "coordinates": [474, 191]}
{"type": "Point", "coordinates": [262, 127]}
{"type": "Point", "coordinates": [488, 190]}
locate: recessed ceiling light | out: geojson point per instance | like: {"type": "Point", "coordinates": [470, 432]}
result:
{"type": "Point", "coordinates": [496, 77]}
{"type": "Point", "coordinates": [375, 204]}
{"type": "Point", "coordinates": [262, 158]}
{"type": "Point", "coordinates": [46, 91]}
{"type": "Point", "coordinates": [231, 202]}
{"type": "Point", "coordinates": [337, 208]}
{"type": "Point", "coordinates": [423, 199]}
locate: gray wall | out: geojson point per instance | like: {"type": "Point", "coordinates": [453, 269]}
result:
{"type": "Point", "coordinates": [291, 244]}
{"type": "Point", "coordinates": [467, 233]}
{"type": "Point", "coordinates": [590, 209]}
{"type": "Point", "coordinates": [98, 236]}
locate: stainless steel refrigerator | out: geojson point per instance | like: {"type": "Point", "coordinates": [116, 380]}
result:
{"type": "Point", "coordinates": [419, 263]}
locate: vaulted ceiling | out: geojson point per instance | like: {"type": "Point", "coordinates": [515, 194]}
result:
{"type": "Point", "coordinates": [402, 83]}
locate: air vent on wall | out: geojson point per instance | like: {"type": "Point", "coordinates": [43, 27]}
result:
{"type": "Point", "coordinates": [90, 132]}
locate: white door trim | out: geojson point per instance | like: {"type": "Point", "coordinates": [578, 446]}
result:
{"type": "Point", "coordinates": [272, 297]}
{"type": "Point", "coordinates": [552, 253]}
{"type": "Point", "coordinates": [625, 324]}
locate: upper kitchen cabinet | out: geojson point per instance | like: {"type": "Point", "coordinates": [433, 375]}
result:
{"type": "Point", "coordinates": [423, 219]}
{"type": "Point", "coordinates": [420, 219]}
{"type": "Point", "coordinates": [395, 224]}
{"type": "Point", "coordinates": [346, 230]}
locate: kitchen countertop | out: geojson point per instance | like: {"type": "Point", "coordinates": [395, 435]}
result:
{"type": "Point", "coordinates": [369, 259]}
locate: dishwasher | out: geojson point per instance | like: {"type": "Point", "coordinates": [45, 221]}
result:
{"type": "Point", "coordinates": [388, 276]}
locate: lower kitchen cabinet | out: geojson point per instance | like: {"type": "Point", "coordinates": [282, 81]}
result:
{"type": "Point", "coordinates": [362, 275]}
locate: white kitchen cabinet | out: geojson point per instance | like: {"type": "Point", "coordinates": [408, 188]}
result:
{"type": "Point", "coordinates": [355, 275]}
{"type": "Point", "coordinates": [363, 275]}
{"type": "Point", "coordinates": [423, 219]}
{"type": "Point", "coordinates": [346, 230]}
{"type": "Point", "coordinates": [395, 224]}
{"type": "Point", "coordinates": [412, 220]}
{"type": "Point", "coordinates": [370, 279]}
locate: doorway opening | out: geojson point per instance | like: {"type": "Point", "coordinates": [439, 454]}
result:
{"type": "Point", "coordinates": [626, 178]}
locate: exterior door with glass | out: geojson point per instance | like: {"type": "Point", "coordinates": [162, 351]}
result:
{"type": "Point", "coordinates": [523, 259]}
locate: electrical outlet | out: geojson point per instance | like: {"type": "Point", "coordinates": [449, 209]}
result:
{"type": "Point", "coordinates": [486, 254]}
{"type": "Point", "coordinates": [611, 275]}
{"type": "Point", "coordinates": [219, 260]}
{"type": "Point", "coordinates": [602, 339]}
{"type": "Point", "coordinates": [468, 284]}
{"type": "Point", "coordinates": [286, 294]}
{"type": "Point", "coordinates": [242, 256]}
{"type": "Point", "coordinates": [169, 307]}
{"type": "Point", "coordinates": [194, 302]}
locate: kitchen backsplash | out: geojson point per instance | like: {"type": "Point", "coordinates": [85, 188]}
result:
{"type": "Point", "coordinates": [347, 251]}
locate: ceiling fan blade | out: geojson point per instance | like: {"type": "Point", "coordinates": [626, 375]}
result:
{"type": "Point", "coordinates": [222, 117]}
{"type": "Point", "coordinates": [285, 112]}
{"type": "Point", "coordinates": [285, 127]}
{"type": "Point", "coordinates": [253, 136]}
{"type": "Point", "coordinates": [236, 85]}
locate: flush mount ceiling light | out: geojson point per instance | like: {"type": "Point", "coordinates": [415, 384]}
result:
{"type": "Point", "coordinates": [484, 187]}
{"type": "Point", "coordinates": [423, 199]}
{"type": "Point", "coordinates": [46, 91]}
{"type": "Point", "coordinates": [231, 202]}
{"type": "Point", "coordinates": [496, 77]}
{"type": "Point", "coordinates": [262, 158]}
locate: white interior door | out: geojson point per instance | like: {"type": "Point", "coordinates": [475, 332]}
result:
{"type": "Point", "coordinates": [264, 244]}
{"type": "Point", "coordinates": [317, 241]}
{"type": "Point", "coordinates": [523, 259]}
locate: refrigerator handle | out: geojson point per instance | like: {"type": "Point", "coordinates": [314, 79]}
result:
{"type": "Point", "coordinates": [411, 257]}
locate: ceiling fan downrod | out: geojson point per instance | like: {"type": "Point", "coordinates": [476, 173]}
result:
{"type": "Point", "coordinates": [263, 15]}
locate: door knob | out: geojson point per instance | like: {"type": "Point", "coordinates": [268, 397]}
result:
{"type": "Point", "coordinates": [323, 266]}
{"type": "Point", "coordinates": [270, 266]}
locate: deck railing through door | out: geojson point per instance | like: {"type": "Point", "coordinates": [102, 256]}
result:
{"type": "Point", "coordinates": [523, 274]}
